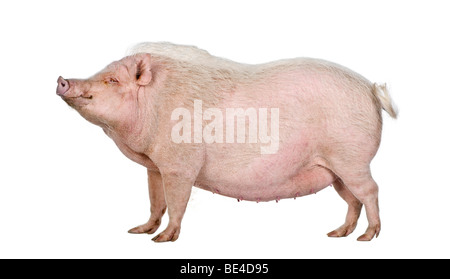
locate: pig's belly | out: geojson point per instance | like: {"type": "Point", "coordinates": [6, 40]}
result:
{"type": "Point", "coordinates": [269, 179]}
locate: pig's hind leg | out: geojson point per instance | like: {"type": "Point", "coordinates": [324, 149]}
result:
{"type": "Point", "coordinates": [354, 210]}
{"type": "Point", "coordinates": [361, 184]}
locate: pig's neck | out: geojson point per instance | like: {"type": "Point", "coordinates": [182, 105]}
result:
{"type": "Point", "coordinates": [134, 128]}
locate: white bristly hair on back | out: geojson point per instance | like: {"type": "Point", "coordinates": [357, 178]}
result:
{"type": "Point", "coordinates": [176, 52]}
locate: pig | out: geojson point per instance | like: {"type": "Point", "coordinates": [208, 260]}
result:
{"type": "Point", "coordinates": [328, 129]}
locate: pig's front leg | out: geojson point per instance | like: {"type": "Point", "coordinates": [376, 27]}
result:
{"type": "Point", "coordinates": [177, 189]}
{"type": "Point", "coordinates": [157, 204]}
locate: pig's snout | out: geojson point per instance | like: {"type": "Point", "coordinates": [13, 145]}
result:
{"type": "Point", "coordinates": [63, 86]}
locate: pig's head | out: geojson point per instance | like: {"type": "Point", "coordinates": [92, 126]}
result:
{"type": "Point", "coordinates": [109, 96]}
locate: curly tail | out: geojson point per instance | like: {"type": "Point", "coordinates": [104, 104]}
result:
{"type": "Point", "coordinates": [382, 93]}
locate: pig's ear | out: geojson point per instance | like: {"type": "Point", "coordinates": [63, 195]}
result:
{"type": "Point", "coordinates": [143, 72]}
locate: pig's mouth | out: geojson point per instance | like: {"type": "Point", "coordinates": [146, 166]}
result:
{"type": "Point", "coordinates": [85, 97]}
{"type": "Point", "coordinates": [81, 97]}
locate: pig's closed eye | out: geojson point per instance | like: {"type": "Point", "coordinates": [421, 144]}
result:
{"type": "Point", "coordinates": [112, 80]}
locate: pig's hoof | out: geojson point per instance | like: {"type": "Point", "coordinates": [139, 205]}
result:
{"type": "Point", "coordinates": [342, 231]}
{"type": "Point", "coordinates": [370, 233]}
{"type": "Point", "coordinates": [150, 227]}
{"type": "Point", "coordinates": [169, 234]}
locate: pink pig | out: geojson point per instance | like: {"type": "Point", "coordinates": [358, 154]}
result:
{"type": "Point", "coordinates": [323, 126]}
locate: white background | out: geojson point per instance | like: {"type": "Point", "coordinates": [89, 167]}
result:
{"type": "Point", "coordinates": [67, 192]}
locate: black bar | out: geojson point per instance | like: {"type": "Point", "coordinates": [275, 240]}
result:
{"type": "Point", "coordinates": [228, 268]}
